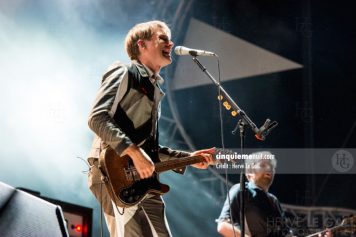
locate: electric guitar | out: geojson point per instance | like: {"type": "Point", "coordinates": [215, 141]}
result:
{"type": "Point", "coordinates": [123, 182]}
{"type": "Point", "coordinates": [348, 226]}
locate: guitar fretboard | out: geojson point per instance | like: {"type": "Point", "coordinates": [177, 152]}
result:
{"type": "Point", "coordinates": [175, 163]}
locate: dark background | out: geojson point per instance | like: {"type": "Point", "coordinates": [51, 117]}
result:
{"type": "Point", "coordinates": [313, 105]}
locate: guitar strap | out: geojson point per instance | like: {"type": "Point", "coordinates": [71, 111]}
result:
{"type": "Point", "coordinates": [155, 110]}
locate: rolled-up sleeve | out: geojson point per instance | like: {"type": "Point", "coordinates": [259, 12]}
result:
{"type": "Point", "coordinates": [111, 92]}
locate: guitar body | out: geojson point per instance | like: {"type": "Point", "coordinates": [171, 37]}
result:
{"type": "Point", "coordinates": [123, 182]}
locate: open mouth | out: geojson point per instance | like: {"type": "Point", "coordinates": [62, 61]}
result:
{"type": "Point", "coordinates": [166, 53]}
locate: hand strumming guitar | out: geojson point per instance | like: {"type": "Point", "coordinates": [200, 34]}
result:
{"type": "Point", "coordinates": [142, 162]}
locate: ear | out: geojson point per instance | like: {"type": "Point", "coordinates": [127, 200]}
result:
{"type": "Point", "coordinates": [249, 176]}
{"type": "Point", "coordinates": [141, 43]}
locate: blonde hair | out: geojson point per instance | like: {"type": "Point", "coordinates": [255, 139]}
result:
{"type": "Point", "coordinates": [143, 31]}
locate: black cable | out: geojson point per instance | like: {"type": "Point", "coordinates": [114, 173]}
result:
{"type": "Point", "coordinates": [101, 209]}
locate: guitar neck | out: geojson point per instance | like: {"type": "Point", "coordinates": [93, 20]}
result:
{"type": "Point", "coordinates": [175, 163]}
{"type": "Point", "coordinates": [332, 229]}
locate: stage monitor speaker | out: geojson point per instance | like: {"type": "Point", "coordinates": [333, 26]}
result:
{"type": "Point", "coordinates": [24, 215]}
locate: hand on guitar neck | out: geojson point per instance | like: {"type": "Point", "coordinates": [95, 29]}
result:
{"type": "Point", "coordinates": [142, 162]}
{"type": "Point", "coordinates": [207, 154]}
{"type": "Point", "coordinates": [326, 233]}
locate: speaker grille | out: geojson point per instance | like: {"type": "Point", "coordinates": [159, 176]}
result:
{"type": "Point", "coordinates": [24, 215]}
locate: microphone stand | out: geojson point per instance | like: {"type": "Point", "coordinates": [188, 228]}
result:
{"type": "Point", "coordinates": [261, 133]}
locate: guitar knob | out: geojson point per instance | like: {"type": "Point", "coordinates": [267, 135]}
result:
{"type": "Point", "coordinates": [136, 197]}
{"type": "Point", "coordinates": [132, 191]}
{"type": "Point", "coordinates": [125, 193]}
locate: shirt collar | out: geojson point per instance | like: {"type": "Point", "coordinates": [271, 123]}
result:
{"type": "Point", "coordinates": [147, 72]}
{"type": "Point", "coordinates": [252, 185]}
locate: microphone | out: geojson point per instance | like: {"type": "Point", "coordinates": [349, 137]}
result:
{"type": "Point", "coordinates": [265, 129]}
{"type": "Point", "coordinates": [181, 50]}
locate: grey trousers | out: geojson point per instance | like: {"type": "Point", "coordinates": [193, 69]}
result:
{"type": "Point", "coordinates": [147, 219]}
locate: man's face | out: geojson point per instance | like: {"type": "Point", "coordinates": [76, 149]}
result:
{"type": "Point", "coordinates": [157, 51]}
{"type": "Point", "coordinates": [262, 174]}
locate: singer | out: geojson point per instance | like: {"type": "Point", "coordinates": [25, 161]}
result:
{"type": "Point", "coordinates": [125, 117]}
